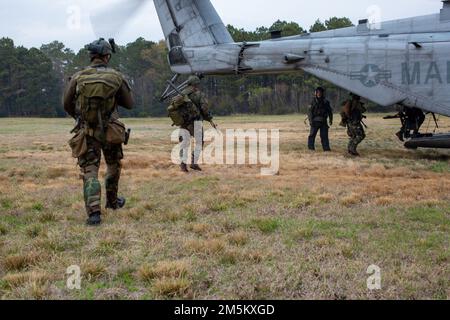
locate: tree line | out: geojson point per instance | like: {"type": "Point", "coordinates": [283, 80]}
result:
{"type": "Point", "coordinates": [32, 80]}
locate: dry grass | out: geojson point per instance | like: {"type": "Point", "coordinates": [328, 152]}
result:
{"type": "Point", "coordinates": [14, 280]}
{"type": "Point", "coordinates": [20, 262]}
{"type": "Point", "coordinates": [238, 238]}
{"type": "Point", "coordinates": [171, 288]}
{"type": "Point", "coordinates": [212, 246]}
{"type": "Point", "coordinates": [92, 270]}
{"type": "Point", "coordinates": [351, 200]}
{"type": "Point", "coordinates": [163, 269]}
{"type": "Point", "coordinates": [226, 232]}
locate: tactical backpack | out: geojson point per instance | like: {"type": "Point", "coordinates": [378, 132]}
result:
{"type": "Point", "coordinates": [182, 110]}
{"type": "Point", "coordinates": [351, 113]}
{"type": "Point", "coordinates": [345, 113]}
{"type": "Point", "coordinates": [96, 92]}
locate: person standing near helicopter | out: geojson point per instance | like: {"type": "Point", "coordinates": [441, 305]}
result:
{"type": "Point", "coordinates": [319, 113]}
{"type": "Point", "coordinates": [93, 96]}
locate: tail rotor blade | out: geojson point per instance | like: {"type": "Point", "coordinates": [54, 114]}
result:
{"type": "Point", "coordinates": [110, 18]}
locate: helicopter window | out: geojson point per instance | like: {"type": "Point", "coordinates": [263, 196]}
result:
{"type": "Point", "coordinates": [176, 56]}
{"type": "Point", "coordinates": [174, 40]}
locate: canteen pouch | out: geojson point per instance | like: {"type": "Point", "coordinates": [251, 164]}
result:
{"type": "Point", "coordinates": [78, 144]}
{"type": "Point", "coordinates": [115, 132]}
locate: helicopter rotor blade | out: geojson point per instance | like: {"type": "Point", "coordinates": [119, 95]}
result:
{"type": "Point", "coordinates": [110, 18]}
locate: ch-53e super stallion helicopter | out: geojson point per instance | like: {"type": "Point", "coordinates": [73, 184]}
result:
{"type": "Point", "coordinates": [401, 62]}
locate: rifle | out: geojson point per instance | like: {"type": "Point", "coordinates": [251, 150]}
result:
{"type": "Point", "coordinates": [214, 125]}
{"type": "Point", "coordinates": [127, 137]}
{"type": "Point", "coordinates": [77, 125]}
{"type": "Point", "coordinates": [362, 121]}
{"type": "Point", "coordinates": [397, 116]}
{"type": "Point", "coordinates": [365, 126]}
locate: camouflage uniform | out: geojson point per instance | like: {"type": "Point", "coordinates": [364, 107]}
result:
{"type": "Point", "coordinates": [89, 162]}
{"type": "Point", "coordinates": [90, 165]}
{"type": "Point", "coordinates": [352, 118]}
{"type": "Point", "coordinates": [200, 101]}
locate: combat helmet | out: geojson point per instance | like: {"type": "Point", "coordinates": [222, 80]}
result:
{"type": "Point", "coordinates": [101, 47]}
{"type": "Point", "coordinates": [321, 89]}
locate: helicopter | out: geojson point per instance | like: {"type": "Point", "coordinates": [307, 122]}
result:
{"type": "Point", "coordinates": [403, 62]}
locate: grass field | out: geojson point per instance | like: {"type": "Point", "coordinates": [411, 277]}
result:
{"type": "Point", "coordinates": [226, 233]}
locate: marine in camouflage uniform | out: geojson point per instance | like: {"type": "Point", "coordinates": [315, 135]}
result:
{"type": "Point", "coordinates": [352, 117]}
{"type": "Point", "coordinates": [201, 114]}
{"type": "Point", "coordinates": [89, 162]}
{"type": "Point", "coordinates": [318, 114]}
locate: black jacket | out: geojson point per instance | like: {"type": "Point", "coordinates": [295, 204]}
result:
{"type": "Point", "coordinates": [319, 112]}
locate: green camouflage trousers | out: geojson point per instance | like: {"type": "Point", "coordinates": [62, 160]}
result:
{"type": "Point", "coordinates": [356, 133]}
{"type": "Point", "coordinates": [90, 165]}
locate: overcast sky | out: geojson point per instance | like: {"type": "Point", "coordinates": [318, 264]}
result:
{"type": "Point", "coordinates": [33, 22]}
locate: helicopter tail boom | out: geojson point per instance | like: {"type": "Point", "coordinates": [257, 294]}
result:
{"type": "Point", "coordinates": [191, 23]}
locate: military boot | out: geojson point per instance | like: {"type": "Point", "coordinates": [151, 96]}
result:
{"type": "Point", "coordinates": [400, 136]}
{"type": "Point", "coordinates": [184, 168]}
{"type": "Point", "coordinates": [94, 219]}
{"type": "Point", "coordinates": [118, 204]}
{"type": "Point", "coordinates": [196, 167]}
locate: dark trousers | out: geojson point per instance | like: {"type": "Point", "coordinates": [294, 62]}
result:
{"type": "Point", "coordinates": [323, 136]}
